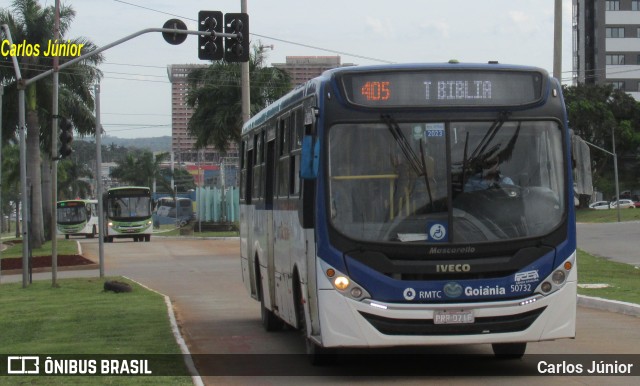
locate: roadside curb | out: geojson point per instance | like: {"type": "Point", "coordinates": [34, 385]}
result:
{"type": "Point", "coordinates": [616, 306]}
{"type": "Point", "coordinates": [195, 375]}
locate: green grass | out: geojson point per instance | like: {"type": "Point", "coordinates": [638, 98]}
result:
{"type": "Point", "coordinates": [611, 215]}
{"type": "Point", "coordinates": [80, 318]}
{"type": "Point", "coordinates": [623, 279]}
{"type": "Point", "coordinates": [64, 247]}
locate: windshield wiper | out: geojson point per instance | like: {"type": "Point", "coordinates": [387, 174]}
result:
{"type": "Point", "coordinates": [491, 133]}
{"type": "Point", "coordinates": [419, 165]}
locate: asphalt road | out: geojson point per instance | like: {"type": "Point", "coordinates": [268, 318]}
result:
{"type": "Point", "coordinates": [216, 316]}
{"type": "Point", "coordinates": [616, 241]}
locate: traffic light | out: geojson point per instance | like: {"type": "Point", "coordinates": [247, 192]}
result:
{"type": "Point", "coordinates": [209, 47]}
{"type": "Point", "coordinates": [236, 49]}
{"type": "Point", "coordinates": [66, 137]}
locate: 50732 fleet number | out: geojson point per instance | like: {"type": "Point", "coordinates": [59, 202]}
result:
{"type": "Point", "coordinates": [520, 287]}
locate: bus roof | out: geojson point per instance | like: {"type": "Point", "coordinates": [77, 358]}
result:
{"type": "Point", "coordinates": [313, 86]}
{"type": "Point", "coordinates": [130, 187]}
{"type": "Point", "coordinates": [80, 200]}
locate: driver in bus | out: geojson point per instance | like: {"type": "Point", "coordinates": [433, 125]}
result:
{"type": "Point", "coordinates": [488, 177]}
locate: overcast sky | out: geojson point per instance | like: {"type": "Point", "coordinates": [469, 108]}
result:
{"type": "Point", "coordinates": [135, 97]}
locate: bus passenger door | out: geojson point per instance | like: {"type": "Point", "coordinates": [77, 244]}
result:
{"type": "Point", "coordinates": [268, 207]}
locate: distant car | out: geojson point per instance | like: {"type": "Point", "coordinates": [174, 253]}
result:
{"type": "Point", "coordinates": [636, 204]}
{"type": "Point", "coordinates": [623, 204]}
{"type": "Point", "coordinates": [599, 205]}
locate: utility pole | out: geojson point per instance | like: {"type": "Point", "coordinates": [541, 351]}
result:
{"type": "Point", "coordinates": [557, 40]}
{"type": "Point", "coordinates": [99, 181]}
{"type": "Point", "coordinates": [54, 151]}
{"type": "Point", "coordinates": [8, 217]}
{"type": "Point", "coordinates": [615, 166]}
{"type": "Point", "coordinates": [22, 85]}
{"type": "Point", "coordinates": [244, 78]}
{"type": "Point", "coordinates": [615, 171]}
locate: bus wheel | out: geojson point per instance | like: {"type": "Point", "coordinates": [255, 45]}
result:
{"type": "Point", "coordinates": [93, 232]}
{"type": "Point", "coordinates": [509, 350]}
{"type": "Point", "coordinates": [270, 321]}
{"type": "Point", "coordinates": [147, 238]}
{"type": "Point", "coordinates": [66, 237]}
{"type": "Point", "coordinates": [316, 354]}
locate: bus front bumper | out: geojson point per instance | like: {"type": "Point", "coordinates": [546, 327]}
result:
{"type": "Point", "coordinates": [350, 323]}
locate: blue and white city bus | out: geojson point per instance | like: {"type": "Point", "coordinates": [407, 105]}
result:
{"type": "Point", "coordinates": [406, 205]}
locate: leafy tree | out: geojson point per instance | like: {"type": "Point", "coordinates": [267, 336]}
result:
{"type": "Point", "coordinates": [216, 95]}
{"type": "Point", "coordinates": [11, 183]}
{"type": "Point", "coordinates": [594, 112]}
{"type": "Point", "coordinates": [183, 180]}
{"type": "Point", "coordinates": [71, 183]}
{"type": "Point", "coordinates": [32, 24]}
{"type": "Point", "coordinates": [140, 169]}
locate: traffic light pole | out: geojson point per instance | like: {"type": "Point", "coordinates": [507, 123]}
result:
{"type": "Point", "coordinates": [54, 163]}
{"type": "Point", "coordinates": [120, 41]}
{"type": "Point", "coordinates": [244, 79]}
{"type": "Point", "coordinates": [22, 85]}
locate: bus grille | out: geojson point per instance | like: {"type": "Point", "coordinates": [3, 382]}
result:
{"type": "Point", "coordinates": [484, 325]}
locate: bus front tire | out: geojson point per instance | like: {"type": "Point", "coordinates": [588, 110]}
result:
{"type": "Point", "coordinates": [270, 321]}
{"type": "Point", "coordinates": [317, 355]}
{"type": "Point", "coordinates": [509, 350]}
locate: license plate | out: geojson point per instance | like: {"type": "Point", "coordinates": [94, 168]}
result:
{"type": "Point", "coordinates": [453, 317]}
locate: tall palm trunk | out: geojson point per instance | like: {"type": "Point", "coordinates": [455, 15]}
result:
{"type": "Point", "coordinates": [46, 194]}
{"type": "Point", "coordinates": [33, 169]}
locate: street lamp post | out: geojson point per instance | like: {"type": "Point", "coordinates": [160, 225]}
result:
{"type": "Point", "coordinates": [615, 171]}
{"type": "Point", "coordinates": [615, 166]}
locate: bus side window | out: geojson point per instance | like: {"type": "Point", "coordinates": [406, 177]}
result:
{"type": "Point", "coordinates": [283, 133]}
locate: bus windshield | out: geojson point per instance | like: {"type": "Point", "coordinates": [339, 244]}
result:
{"type": "Point", "coordinates": [72, 214]}
{"type": "Point", "coordinates": [120, 208]}
{"type": "Point", "coordinates": [455, 182]}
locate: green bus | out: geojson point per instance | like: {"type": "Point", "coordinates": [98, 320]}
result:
{"type": "Point", "coordinates": [128, 213]}
{"type": "Point", "coordinates": [77, 218]}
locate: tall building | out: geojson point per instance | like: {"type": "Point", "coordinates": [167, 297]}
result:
{"type": "Point", "coordinates": [182, 144]}
{"type": "Point", "coordinates": [606, 40]}
{"type": "Point", "coordinates": [303, 68]}
{"type": "Point", "coordinates": [205, 164]}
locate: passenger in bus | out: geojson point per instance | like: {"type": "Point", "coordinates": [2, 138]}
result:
{"type": "Point", "coordinates": [488, 177]}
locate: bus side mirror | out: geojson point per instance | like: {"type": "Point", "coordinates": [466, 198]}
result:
{"type": "Point", "coordinates": [309, 161]}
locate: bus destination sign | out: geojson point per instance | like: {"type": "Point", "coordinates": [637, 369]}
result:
{"type": "Point", "coordinates": [443, 88]}
{"type": "Point", "coordinates": [69, 204]}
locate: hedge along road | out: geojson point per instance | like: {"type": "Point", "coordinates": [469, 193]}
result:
{"type": "Point", "coordinates": [217, 316]}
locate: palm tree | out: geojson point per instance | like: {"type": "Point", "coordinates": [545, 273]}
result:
{"type": "Point", "coordinates": [31, 23]}
{"type": "Point", "coordinates": [216, 95]}
{"type": "Point", "coordinates": [11, 183]}
{"type": "Point", "coordinates": [141, 169]}
{"type": "Point", "coordinates": [71, 181]}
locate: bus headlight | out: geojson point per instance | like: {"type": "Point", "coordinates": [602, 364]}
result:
{"type": "Point", "coordinates": [558, 278]}
{"type": "Point", "coordinates": [356, 292]}
{"type": "Point", "coordinates": [344, 285]}
{"type": "Point", "coordinates": [341, 283]}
